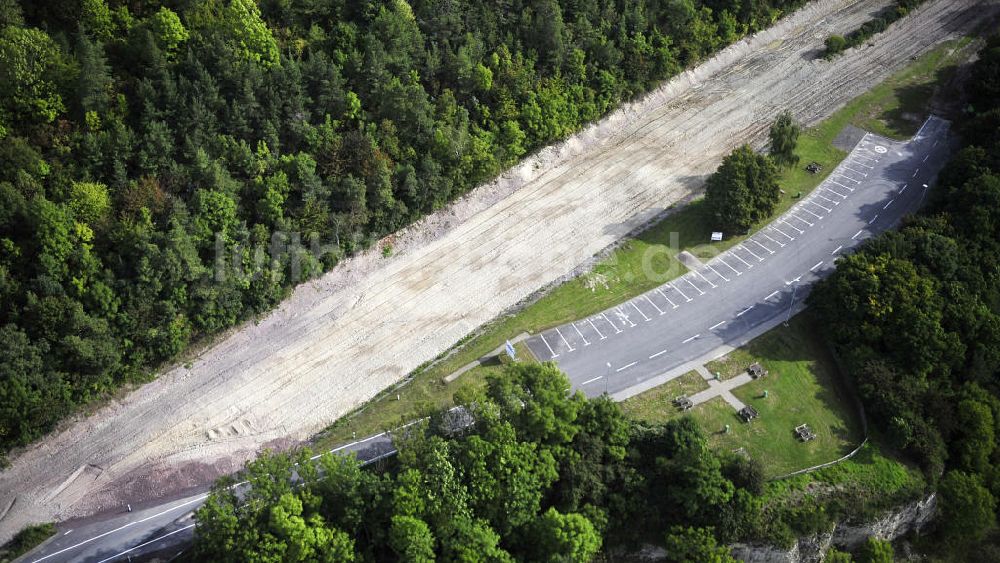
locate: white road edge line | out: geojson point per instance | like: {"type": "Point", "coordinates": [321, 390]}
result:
{"type": "Point", "coordinates": [134, 522]}
{"type": "Point", "coordinates": [188, 527]}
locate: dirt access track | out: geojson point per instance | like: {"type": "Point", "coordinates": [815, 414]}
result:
{"type": "Point", "coordinates": [341, 339]}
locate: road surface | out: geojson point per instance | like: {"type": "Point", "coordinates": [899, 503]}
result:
{"type": "Point", "coordinates": [757, 283]}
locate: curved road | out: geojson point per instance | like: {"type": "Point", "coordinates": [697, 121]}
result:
{"type": "Point", "coordinates": [754, 285]}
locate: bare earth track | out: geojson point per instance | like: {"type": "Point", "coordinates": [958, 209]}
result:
{"type": "Point", "coordinates": [341, 339]}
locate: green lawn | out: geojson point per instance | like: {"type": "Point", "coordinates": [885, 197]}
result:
{"type": "Point", "coordinates": [802, 388]}
{"type": "Point", "coordinates": [656, 405]}
{"type": "Point", "coordinates": [638, 264]}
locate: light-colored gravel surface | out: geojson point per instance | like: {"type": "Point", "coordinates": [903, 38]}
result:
{"type": "Point", "coordinates": [338, 341]}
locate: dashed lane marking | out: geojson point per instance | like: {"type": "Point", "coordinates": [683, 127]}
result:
{"type": "Point", "coordinates": [690, 339]}
{"type": "Point", "coordinates": [625, 367]}
{"type": "Point", "coordinates": [836, 250]}
{"type": "Point", "coordinates": [873, 219]}
{"type": "Point", "coordinates": [775, 292]}
{"type": "Point", "coordinates": [915, 173]}
{"type": "Point", "coordinates": [888, 204]}
{"type": "Point", "coordinates": [857, 234]}
{"type": "Point", "coordinates": [744, 311]}
{"type": "Point", "coordinates": [926, 156]}
{"type": "Point", "coordinates": [592, 380]}
{"type": "Point", "coordinates": [796, 280]}
{"type": "Point", "coordinates": [660, 353]}
{"type": "Point", "coordinates": [818, 264]}
{"type": "Point", "coordinates": [716, 325]}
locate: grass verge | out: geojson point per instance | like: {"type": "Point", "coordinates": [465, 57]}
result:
{"type": "Point", "coordinates": [802, 388]}
{"type": "Point", "coordinates": [623, 273]}
{"type": "Point", "coordinates": [26, 540]}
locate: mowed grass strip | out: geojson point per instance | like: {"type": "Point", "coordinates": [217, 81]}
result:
{"type": "Point", "coordinates": [641, 263]}
{"type": "Point", "coordinates": [802, 388]}
{"type": "Point", "coordinates": [656, 405]}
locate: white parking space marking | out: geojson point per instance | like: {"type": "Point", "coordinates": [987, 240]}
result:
{"type": "Point", "coordinates": [744, 311]}
{"type": "Point", "coordinates": [690, 339]}
{"type": "Point", "coordinates": [863, 174]}
{"type": "Point", "coordinates": [698, 289]}
{"type": "Point", "coordinates": [783, 233]}
{"type": "Point", "coordinates": [686, 298]}
{"type": "Point", "coordinates": [592, 380]}
{"type": "Point", "coordinates": [845, 186]}
{"type": "Point", "coordinates": [759, 259]}
{"type": "Point", "coordinates": [848, 178]}
{"type": "Point", "coordinates": [585, 343]}
{"type": "Point", "coordinates": [836, 250]}
{"type": "Point", "coordinates": [624, 316]}
{"type": "Point", "coordinates": [593, 326]}
{"type": "Point", "coordinates": [775, 292]}
{"type": "Point", "coordinates": [664, 295]}
{"type": "Point", "coordinates": [626, 366]}
{"type": "Point", "coordinates": [800, 219]}
{"type": "Point", "coordinates": [640, 310]}
{"type": "Point", "coordinates": [613, 325]}
{"type": "Point", "coordinates": [835, 192]}
{"type": "Point", "coordinates": [697, 273]}
{"type": "Point", "coordinates": [737, 256]}
{"type": "Point", "coordinates": [888, 204]}
{"type": "Point", "coordinates": [716, 272]}
{"type": "Point", "coordinates": [857, 234]}
{"type": "Point", "coordinates": [762, 246]}
{"type": "Point", "coordinates": [660, 353]}
{"type": "Point", "coordinates": [854, 160]}
{"type": "Point", "coordinates": [738, 273]}
{"type": "Point", "coordinates": [818, 264]}
{"type": "Point", "coordinates": [661, 311]}
{"type": "Point", "coordinates": [551, 351]}
{"type": "Point", "coordinates": [566, 342]}
{"type": "Point", "coordinates": [781, 244]}
{"type": "Point", "coordinates": [811, 202]}
{"type": "Point", "coordinates": [833, 201]}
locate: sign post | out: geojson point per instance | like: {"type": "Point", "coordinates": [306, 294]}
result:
{"type": "Point", "coordinates": [510, 350]}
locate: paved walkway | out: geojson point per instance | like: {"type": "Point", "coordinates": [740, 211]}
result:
{"type": "Point", "coordinates": [718, 388]}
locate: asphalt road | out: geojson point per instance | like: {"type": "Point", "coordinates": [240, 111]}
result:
{"type": "Point", "coordinates": [736, 294]}
{"type": "Point", "coordinates": [164, 528]}
{"type": "Point", "coordinates": [758, 282]}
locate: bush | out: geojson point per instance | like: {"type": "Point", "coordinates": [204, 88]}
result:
{"type": "Point", "coordinates": [26, 540]}
{"type": "Point", "coordinates": [834, 44]}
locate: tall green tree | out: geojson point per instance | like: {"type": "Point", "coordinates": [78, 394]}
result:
{"type": "Point", "coordinates": [743, 191]}
{"type": "Point", "coordinates": [784, 136]}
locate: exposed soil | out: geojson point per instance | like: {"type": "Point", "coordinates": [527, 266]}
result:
{"type": "Point", "coordinates": [338, 341]}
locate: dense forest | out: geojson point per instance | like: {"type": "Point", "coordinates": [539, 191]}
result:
{"type": "Point", "coordinates": [915, 314]}
{"type": "Point", "coordinates": [170, 168]}
{"type": "Point", "coordinates": [541, 475]}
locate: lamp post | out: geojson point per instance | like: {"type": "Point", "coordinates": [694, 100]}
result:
{"type": "Point", "coordinates": [606, 378]}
